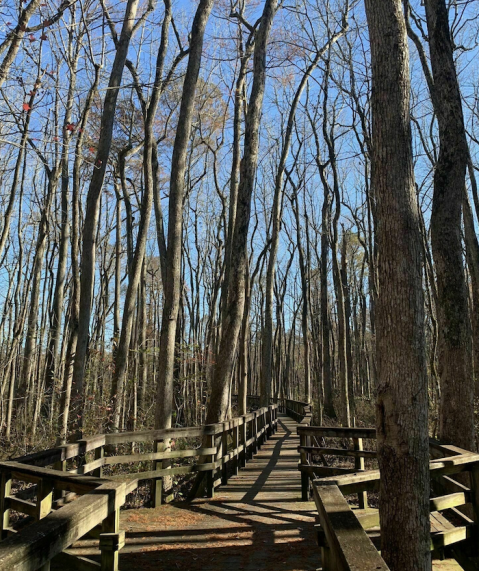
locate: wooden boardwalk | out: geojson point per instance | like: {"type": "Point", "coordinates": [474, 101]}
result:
{"type": "Point", "coordinates": [255, 522]}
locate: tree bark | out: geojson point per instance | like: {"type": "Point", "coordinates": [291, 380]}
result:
{"type": "Point", "coordinates": [402, 407]}
{"type": "Point", "coordinates": [456, 417]}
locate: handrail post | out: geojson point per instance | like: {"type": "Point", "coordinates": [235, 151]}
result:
{"type": "Point", "coordinates": [111, 541]}
{"type": "Point", "coordinates": [5, 489]}
{"type": "Point", "coordinates": [304, 475]}
{"type": "Point", "coordinates": [61, 466]}
{"type": "Point", "coordinates": [224, 452]}
{"type": "Point", "coordinates": [244, 436]}
{"type": "Point", "coordinates": [254, 426]}
{"type": "Point", "coordinates": [44, 498]}
{"type": "Point", "coordinates": [99, 453]}
{"type": "Point", "coordinates": [210, 474]}
{"type": "Point", "coordinates": [359, 465]}
{"type": "Point", "coordinates": [474, 481]}
{"type": "Point", "coordinates": [157, 487]}
{"type": "Point", "coordinates": [235, 448]}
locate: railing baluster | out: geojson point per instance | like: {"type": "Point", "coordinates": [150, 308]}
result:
{"type": "Point", "coordinates": [44, 498]}
{"type": "Point", "coordinates": [99, 453]}
{"type": "Point", "coordinates": [359, 465]}
{"type": "Point", "coordinates": [210, 474]}
{"type": "Point", "coordinates": [244, 436]}
{"type": "Point", "coordinates": [224, 451]}
{"type": "Point", "coordinates": [111, 541]}
{"type": "Point", "coordinates": [5, 489]}
{"type": "Point", "coordinates": [157, 484]}
{"type": "Point", "coordinates": [235, 448]}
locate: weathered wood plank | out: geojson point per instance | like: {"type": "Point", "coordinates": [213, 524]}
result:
{"type": "Point", "coordinates": [40, 542]}
{"type": "Point", "coordinates": [337, 432]}
{"type": "Point", "coordinates": [130, 458]}
{"type": "Point", "coordinates": [348, 543]}
{"type": "Point", "coordinates": [152, 474]}
{"type": "Point", "coordinates": [450, 501]}
{"type": "Point", "coordinates": [325, 471]}
{"type": "Point", "coordinates": [62, 480]}
{"type": "Point", "coordinates": [339, 452]}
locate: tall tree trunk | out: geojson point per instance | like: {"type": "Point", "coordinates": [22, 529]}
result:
{"type": "Point", "coordinates": [472, 256]}
{"type": "Point", "coordinates": [121, 358]}
{"type": "Point", "coordinates": [456, 420]}
{"type": "Point", "coordinates": [172, 284]}
{"type": "Point", "coordinates": [325, 324]}
{"type": "Point", "coordinates": [75, 247]}
{"type": "Point", "coordinates": [402, 407]}
{"type": "Point", "coordinates": [347, 325]}
{"type": "Point", "coordinates": [267, 337]}
{"type": "Point", "coordinates": [92, 213]}
{"type": "Point", "coordinates": [58, 298]}
{"type": "Point", "coordinates": [235, 271]}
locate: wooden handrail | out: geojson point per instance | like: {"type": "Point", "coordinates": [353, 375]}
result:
{"type": "Point", "coordinates": [345, 545]}
{"type": "Point", "coordinates": [342, 537]}
{"type": "Point", "coordinates": [232, 441]}
{"type": "Point", "coordinates": [37, 544]}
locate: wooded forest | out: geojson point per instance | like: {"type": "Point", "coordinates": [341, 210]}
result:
{"type": "Point", "coordinates": [206, 200]}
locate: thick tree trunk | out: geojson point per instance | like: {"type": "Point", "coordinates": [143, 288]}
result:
{"type": "Point", "coordinates": [402, 407]}
{"type": "Point", "coordinates": [456, 420]}
{"type": "Point", "coordinates": [472, 256]}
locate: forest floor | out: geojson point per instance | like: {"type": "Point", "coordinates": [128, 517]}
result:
{"type": "Point", "coordinates": [255, 522]}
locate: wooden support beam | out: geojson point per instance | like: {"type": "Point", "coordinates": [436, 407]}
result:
{"type": "Point", "coordinates": [111, 541]}
{"type": "Point", "coordinates": [5, 489]}
{"type": "Point", "coordinates": [348, 543]}
{"type": "Point", "coordinates": [224, 452]}
{"type": "Point", "coordinates": [304, 474]}
{"type": "Point", "coordinates": [44, 498]}
{"type": "Point", "coordinates": [337, 432]}
{"type": "Point", "coordinates": [359, 465]}
{"type": "Point", "coordinates": [99, 457]}
{"type": "Point", "coordinates": [450, 501]}
{"type": "Point", "coordinates": [339, 452]}
{"type": "Point", "coordinates": [244, 453]}
{"type": "Point", "coordinates": [210, 477]}
{"type": "Point", "coordinates": [236, 443]}
{"type": "Point", "coordinates": [157, 484]}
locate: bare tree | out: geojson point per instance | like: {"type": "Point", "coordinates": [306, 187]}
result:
{"type": "Point", "coordinates": [402, 408]}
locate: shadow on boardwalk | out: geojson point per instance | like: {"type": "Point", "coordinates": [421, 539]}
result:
{"type": "Point", "coordinates": [255, 522]}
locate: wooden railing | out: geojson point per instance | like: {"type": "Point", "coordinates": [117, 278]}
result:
{"type": "Point", "coordinates": [312, 445]}
{"type": "Point", "coordinates": [54, 530]}
{"type": "Point", "coordinates": [350, 538]}
{"type": "Point", "coordinates": [300, 411]}
{"type": "Point", "coordinates": [252, 401]}
{"type": "Point", "coordinates": [63, 473]}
